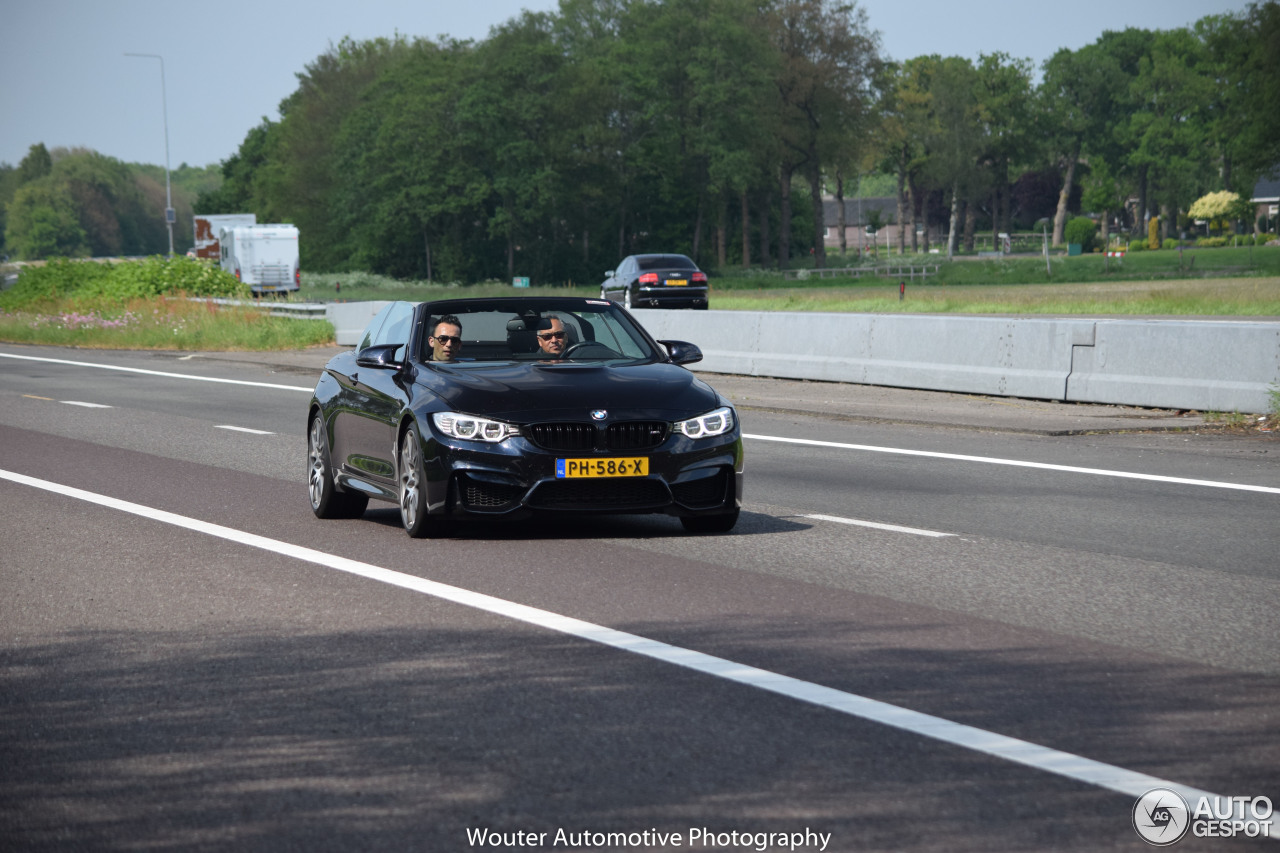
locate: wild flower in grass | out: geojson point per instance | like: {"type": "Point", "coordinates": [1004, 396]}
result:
{"type": "Point", "coordinates": [76, 320]}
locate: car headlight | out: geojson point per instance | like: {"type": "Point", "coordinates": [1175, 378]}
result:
{"type": "Point", "coordinates": [456, 425]}
{"type": "Point", "coordinates": [704, 426]}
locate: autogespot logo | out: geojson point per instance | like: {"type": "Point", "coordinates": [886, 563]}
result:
{"type": "Point", "coordinates": [1161, 817]}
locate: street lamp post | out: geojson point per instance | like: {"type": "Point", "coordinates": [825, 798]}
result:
{"type": "Point", "coordinates": [169, 216]}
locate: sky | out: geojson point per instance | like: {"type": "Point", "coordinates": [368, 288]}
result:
{"type": "Point", "coordinates": [65, 79]}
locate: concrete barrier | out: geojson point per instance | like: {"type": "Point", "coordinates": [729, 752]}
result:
{"type": "Point", "coordinates": [1210, 365]}
{"type": "Point", "coordinates": [350, 318]}
{"type": "Point", "coordinates": [977, 355]}
{"type": "Point", "coordinates": [1178, 364]}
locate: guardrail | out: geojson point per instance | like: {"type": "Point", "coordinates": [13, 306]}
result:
{"type": "Point", "coordinates": [906, 271]}
{"type": "Point", "coordinates": [298, 310]}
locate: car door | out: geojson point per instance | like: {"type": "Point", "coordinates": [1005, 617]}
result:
{"type": "Point", "coordinates": [365, 435]}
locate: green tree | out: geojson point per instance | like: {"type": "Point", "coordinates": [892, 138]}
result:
{"type": "Point", "coordinates": [905, 124]}
{"type": "Point", "coordinates": [1080, 100]}
{"type": "Point", "coordinates": [1011, 133]}
{"type": "Point", "coordinates": [1256, 148]}
{"type": "Point", "coordinates": [299, 179]}
{"type": "Point", "coordinates": [511, 120]}
{"type": "Point", "coordinates": [1224, 63]}
{"type": "Point", "coordinates": [1168, 128]}
{"type": "Point", "coordinates": [955, 141]}
{"type": "Point", "coordinates": [8, 186]}
{"type": "Point", "coordinates": [829, 63]}
{"type": "Point", "coordinates": [117, 210]}
{"type": "Point", "coordinates": [240, 190]}
{"type": "Point", "coordinates": [42, 223]}
{"type": "Point", "coordinates": [411, 192]}
{"type": "Point", "coordinates": [117, 213]}
{"type": "Point", "coordinates": [37, 164]}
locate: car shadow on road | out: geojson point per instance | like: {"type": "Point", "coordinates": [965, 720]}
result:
{"type": "Point", "coordinates": [586, 526]}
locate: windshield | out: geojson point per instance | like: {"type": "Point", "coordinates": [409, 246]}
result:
{"type": "Point", "coordinates": [548, 329]}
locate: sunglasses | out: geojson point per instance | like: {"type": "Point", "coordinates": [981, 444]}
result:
{"type": "Point", "coordinates": [446, 339]}
{"type": "Point", "coordinates": [558, 336]}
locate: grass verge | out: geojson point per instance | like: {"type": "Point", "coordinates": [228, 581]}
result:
{"type": "Point", "coordinates": [163, 322]}
{"type": "Point", "coordinates": [1206, 297]}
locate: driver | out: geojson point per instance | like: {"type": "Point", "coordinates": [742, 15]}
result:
{"type": "Point", "coordinates": [446, 339]}
{"type": "Point", "coordinates": [552, 341]}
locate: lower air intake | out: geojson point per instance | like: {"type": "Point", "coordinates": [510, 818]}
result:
{"type": "Point", "coordinates": [610, 495]}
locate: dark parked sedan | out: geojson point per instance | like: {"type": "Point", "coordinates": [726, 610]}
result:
{"type": "Point", "coordinates": [546, 404]}
{"type": "Point", "coordinates": [656, 281]}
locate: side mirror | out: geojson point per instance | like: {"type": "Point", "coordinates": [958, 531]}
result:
{"type": "Point", "coordinates": [609, 274]}
{"type": "Point", "coordinates": [382, 355]}
{"type": "Point", "coordinates": [682, 352]}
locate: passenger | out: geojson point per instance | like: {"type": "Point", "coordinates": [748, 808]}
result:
{"type": "Point", "coordinates": [446, 339]}
{"type": "Point", "coordinates": [552, 341]}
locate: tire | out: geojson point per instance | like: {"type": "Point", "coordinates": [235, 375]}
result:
{"type": "Point", "coordinates": [710, 523]}
{"type": "Point", "coordinates": [412, 481]}
{"type": "Point", "coordinates": [326, 500]}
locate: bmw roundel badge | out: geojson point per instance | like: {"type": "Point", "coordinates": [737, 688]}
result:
{"type": "Point", "coordinates": [599, 414]}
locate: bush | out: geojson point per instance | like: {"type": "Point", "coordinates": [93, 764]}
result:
{"type": "Point", "coordinates": [1081, 230]}
{"type": "Point", "coordinates": [1137, 245]}
{"type": "Point", "coordinates": [1219, 205]}
{"type": "Point", "coordinates": [120, 282]}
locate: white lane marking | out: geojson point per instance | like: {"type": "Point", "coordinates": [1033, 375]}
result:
{"type": "Point", "coordinates": [307, 389]}
{"type": "Point", "coordinates": [244, 429]}
{"type": "Point", "coordinates": [878, 526]}
{"type": "Point", "coordinates": [1022, 752]}
{"type": "Point", "coordinates": [86, 405]}
{"type": "Point", "coordinates": [1044, 466]}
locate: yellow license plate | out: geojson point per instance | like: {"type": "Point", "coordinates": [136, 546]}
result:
{"type": "Point", "coordinates": [632, 466]}
{"type": "Point", "coordinates": [678, 282]}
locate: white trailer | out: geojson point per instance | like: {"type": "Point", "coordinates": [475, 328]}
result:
{"type": "Point", "coordinates": [205, 228]}
{"type": "Point", "coordinates": [265, 257]}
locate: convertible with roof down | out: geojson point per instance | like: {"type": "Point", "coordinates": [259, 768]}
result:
{"type": "Point", "coordinates": [608, 421]}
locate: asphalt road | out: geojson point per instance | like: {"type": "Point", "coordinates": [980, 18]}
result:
{"type": "Point", "coordinates": [190, 660]}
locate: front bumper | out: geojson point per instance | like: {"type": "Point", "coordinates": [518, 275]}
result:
{"type": "Point", "coordinates": [516, 478]}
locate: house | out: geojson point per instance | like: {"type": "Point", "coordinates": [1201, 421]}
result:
{"type": "Point", "coordinates": [1266, 196]}
{"type": "Point", "coordinates": [857, 213]}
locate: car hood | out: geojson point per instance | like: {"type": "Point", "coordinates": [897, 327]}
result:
{"type": "Point", "coordinates": [533, 391]}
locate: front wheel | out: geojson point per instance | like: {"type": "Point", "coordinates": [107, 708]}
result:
{"type": "Point", "coordinates": [326, 500]}
{"type": "Point", "coordinates": [626, 299]}
{"type": "Point", "coordinates": [413, 485]}
{"type": "Point", "coordinates": [722, 523]}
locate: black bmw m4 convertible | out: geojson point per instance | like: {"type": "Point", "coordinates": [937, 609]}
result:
{"type": "Point", "coordinates": [509, 407]}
